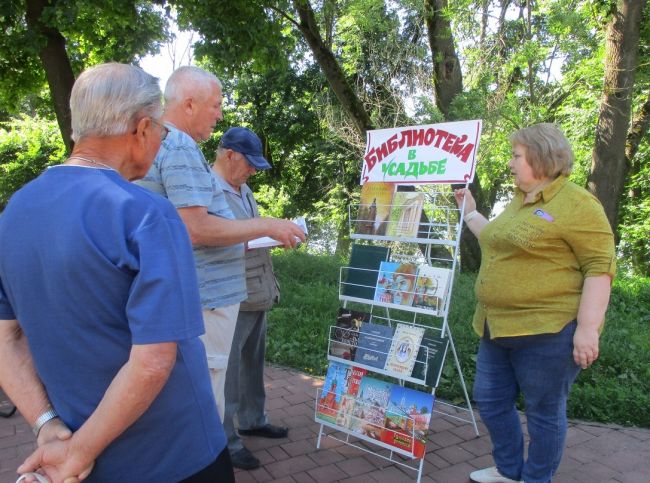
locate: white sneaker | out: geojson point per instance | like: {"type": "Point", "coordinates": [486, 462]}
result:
{"type": "Point", "coordinates": [490, 475]}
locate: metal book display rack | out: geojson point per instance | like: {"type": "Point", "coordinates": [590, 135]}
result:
{"type": "Point", "coordinates": [433, 240]}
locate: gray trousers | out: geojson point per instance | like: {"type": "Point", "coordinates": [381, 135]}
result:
{"type": "Point", "coordinates": [245, 396]}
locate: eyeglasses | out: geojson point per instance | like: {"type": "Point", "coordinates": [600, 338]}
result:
{"type": "Point", "coordinates": [165, 129]}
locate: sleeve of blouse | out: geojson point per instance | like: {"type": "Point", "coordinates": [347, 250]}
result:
{"type": "Point", "coordinates": [591, 239]}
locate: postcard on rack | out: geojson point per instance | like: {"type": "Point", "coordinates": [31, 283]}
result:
{"type": "Point", "coordinates": [404, 349]}
{"type": "Point", "coordinates": [370, 407]}
{"type": "Point", "coordinates": [374, 344]}
{"type": "Point", "coordinates": [345, 414]}
{"type": "Point", "coordinates": [329, 402]}
{"type": "Point", "coordinates": [431, 287]}
{"type": "Point", "coordinates": [405, 212]}
{"type": "Point", "coordinates": [407, 419]}
{"type": "Point", "coordinates": [374, 208]}
{"type": "Point", "coordinates": [343, 343]}
{"type": "Point", "coordinates": [396, 283]}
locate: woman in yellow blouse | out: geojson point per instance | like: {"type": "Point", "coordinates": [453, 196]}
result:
{"type": "Point", "coordinates": [542, 291]}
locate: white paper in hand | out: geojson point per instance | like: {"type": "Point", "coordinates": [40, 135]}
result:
{"type": "Point", "coordinates": [266, 241]}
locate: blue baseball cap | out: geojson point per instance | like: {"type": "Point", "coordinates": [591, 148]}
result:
{"type": "Point", "coordinates": [246, 142]}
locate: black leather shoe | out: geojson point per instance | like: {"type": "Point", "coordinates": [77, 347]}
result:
{"type": "Point", "coordinates": [266, 431]}
{"type": "Point", "coordinates": [244, 460]}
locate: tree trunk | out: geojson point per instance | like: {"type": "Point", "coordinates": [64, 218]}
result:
{"type": "Point", "coordinates": [448, 78]}
{"type": "Point", "coordinates": [351, 104]}
{"type": "Point", "coordinates": [609, 167]}
{"type": "Point", "coordinates": [448, 83]}
{"type": "Point", "coordinates": [56, 64]}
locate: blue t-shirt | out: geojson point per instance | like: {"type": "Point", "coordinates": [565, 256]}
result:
{"type": "Point", "coordinates": [181, 174]}
{"type": "Point", "coordinates": [91, 264]}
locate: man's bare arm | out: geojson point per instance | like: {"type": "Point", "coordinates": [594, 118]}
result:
{"type": "Point", "coordinates": [210, 230]}
{"type": "Point", "coordinates": [18, 376]}
{"type": "Point", "coordinates": [129, 395]}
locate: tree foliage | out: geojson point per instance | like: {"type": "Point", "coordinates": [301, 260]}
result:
{"type": "Point", "coordinates": [310, 76]}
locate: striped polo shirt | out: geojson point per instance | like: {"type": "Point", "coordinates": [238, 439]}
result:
{"type": "Point", "coordinates": [181, 174]}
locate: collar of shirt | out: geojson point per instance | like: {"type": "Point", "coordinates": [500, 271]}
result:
{"type": "Point", "coordinates": [548, 193]}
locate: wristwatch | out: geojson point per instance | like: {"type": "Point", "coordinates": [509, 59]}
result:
{"type": "Point", "coordinates": [42, 419]}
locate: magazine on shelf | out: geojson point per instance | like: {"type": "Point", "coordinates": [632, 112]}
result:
{"type": "Point", "coordinates": [267, 241]}
{"type": "Point", "coordinates": [405, 212]}
{"type": "Point", "coordinates": [374, 344]}
{"type": "Point", "coordinates": [374, 208]}
{"type": "Point", "coordinates": [431, 358]}
{"type": "Point", "coordinates": [329, 402]}
{"type": "Point", "coordinates": [345, 414]}
{"type": "Point", "coordinates": [370, 407]}
{"type": "Point", "coordinates": [396, 283]}
{"type": "Point", "coordinates": [431, 287]}
{"type": "Point", "coordinates": [345, 335]}
{"type": "Point", "coordinates": [407, 419]}
{"type": "Point", "coordinates": [404, 349]}
{"type": "Point", "coordinates": [360, 278]}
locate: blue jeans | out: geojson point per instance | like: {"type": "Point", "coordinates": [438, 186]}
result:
{"type": "Point", "coordinates": [542, 368]}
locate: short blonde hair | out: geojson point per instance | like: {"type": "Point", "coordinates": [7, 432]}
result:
{"type": "Point", "coordinates": [548, 151]}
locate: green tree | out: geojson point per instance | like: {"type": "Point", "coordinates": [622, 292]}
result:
{"type": "Point", "coordinates": [46, 41]}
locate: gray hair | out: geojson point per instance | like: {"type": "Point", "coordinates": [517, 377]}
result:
{"type": "Point", "coordinates": [107, 98]}
{"type": "Point", "coordinates": [185, 81]}
{"type": "Point", "coordinates": [548, 151]}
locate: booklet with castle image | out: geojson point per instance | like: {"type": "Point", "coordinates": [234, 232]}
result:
{"type": "Point", "coordinates": [345, 415]}
{"type": "Point", "coordinates": [373, 345]}
{"type": "Point", "coordinates": [329, 401]}
{"type": "Point", "coordinates": [404, 349]}
{"type": "Point", "coordinates": [370, 407]}
{"type": "Point", "coordinates": [431, 287]}
{"type": "Point", "coordinates": [405, 212]}
{"type": "Point", "coordinates": [374, 208]}
{"type": "Point", "coordinates": [407, 419]}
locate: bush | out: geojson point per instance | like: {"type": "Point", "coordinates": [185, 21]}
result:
{"type": "Point", "coordinates": [616, 389]}
{"type": "Point", "coordinates": [27, 147]}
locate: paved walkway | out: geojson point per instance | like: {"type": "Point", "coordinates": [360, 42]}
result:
{"type": "Point", "coordinates": [594, 454]}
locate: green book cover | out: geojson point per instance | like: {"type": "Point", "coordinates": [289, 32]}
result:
{"type": "Point", "coordinates": [361, 277]}
{"type": "Point", "coordinates": [437, 349]}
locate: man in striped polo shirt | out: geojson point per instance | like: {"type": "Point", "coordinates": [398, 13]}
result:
{"type": "Point", "coordinates": [180, 173]}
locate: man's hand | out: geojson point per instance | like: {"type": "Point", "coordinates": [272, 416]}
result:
{"type": "Point", "coordinates": [284, 231]}
{"type": "Point", "coordinates": [53, 430]}
{"type": "Point", "coordinates": [59, 461]}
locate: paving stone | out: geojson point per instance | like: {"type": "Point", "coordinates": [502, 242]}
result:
{"type": "Point", "coordinates": [304, 477]}
{"type": "Point", "coordinates": [478, 446]}
{"type": "Point", "coordinates": [393, 475]}
{"type": "Point", "coordinates": [576, 436]}
{"type": "Point", "coordinates": [445, 439]}
{"type": "Point", "coordinates": [290, 466]}
{"type": "Point", "coordinates": [327, 473]}
{"type": "Point", "coordinates": [356, 466]}
{"type": "Point", "coordinates": [454, 454]}
{"type": "Point", "coordinates": [453, 474]}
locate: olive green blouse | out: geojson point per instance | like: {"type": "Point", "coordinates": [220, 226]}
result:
{"type": "Point", "coordinates": [535, 257]}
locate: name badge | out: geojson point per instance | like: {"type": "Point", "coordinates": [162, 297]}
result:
{"type": "Point", "coordinates": [544, 215]}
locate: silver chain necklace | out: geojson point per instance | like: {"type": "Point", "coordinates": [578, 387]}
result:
{"type": "Point", "coordinates": [92, 161]}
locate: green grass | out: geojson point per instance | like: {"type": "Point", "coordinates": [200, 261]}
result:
{"type": "Point", "coordinates": [616, 389]}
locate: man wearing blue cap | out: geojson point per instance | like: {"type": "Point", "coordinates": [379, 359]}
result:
{"type": "Point", "coordinates": [180, 173]}
{"type": "Point", "coordinates": [239, 156]}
